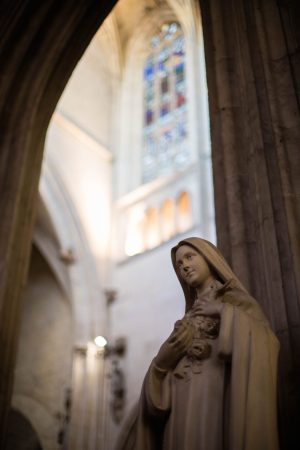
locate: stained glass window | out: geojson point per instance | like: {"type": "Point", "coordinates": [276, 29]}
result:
{"type": "Point", "coordinates": [165, 129]}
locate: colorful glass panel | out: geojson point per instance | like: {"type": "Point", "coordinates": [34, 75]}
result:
{"type": "Point", "coordinates": [165, 102]}
{"type": "Point", "coordinates": [149, 116]}
{"type": "Point", "coordinates": [149, 70]}
{"type": "Point", "coordinates": [179, 72]}
{"type": "Point", "coordinates": [180, 98]}
{"type": "Point", "coordinates": [164, 109]}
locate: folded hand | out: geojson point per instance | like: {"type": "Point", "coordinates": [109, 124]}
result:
{"type": "Point", "coordinates": [175, 346]}
{"type": "Point", "coordinates": [207, 308]}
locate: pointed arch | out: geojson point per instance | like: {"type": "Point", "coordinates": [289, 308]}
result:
{"type": "Point", "coordinates": [184, 212]}
{"type": "Point", "coordinates": [152, 235]}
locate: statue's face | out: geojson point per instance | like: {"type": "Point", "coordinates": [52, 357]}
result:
{"type": "Point", "coordinates": [193, 268]}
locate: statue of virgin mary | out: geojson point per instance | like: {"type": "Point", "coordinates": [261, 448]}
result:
{"type": "Point", "coordinates": [212, 385]}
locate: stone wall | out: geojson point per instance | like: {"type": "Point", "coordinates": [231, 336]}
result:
{"type": "Point", "coordinates": [43, 367]}
{"type": "Point", "coordinates": [252, 58]}
{"type": "Point", "coordinates": [55, 36]}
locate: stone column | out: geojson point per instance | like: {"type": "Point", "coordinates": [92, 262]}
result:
{"type": "Point", "coordinates": [41, 43]}
{"type": "Point", "coordinates": [253, 67]}
{"type": "Point", "coordinates": [88, 428]}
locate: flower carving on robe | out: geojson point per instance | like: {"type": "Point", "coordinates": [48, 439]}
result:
{"type": "Point", "coordinates": [206, 328]}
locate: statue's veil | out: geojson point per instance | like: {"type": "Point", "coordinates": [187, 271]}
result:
{"type": "Point", "coordinates": [215, 260]}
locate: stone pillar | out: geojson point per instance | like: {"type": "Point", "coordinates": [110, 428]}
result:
{"type": "Point", "coordinates": [41, 43]}
{"type": "Point", "coordinates": [88, 419]}
{"type": "Point", "coordinates": [253, 72]}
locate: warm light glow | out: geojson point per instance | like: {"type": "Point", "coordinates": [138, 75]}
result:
{"type": "Point", "coordinates": [134, 242]}
{"type": "Point", "coordinates": [152, 228]}
{"type": "Point", "coordinates": [184, 212]}
{"type": "Point", "coordinates": [168, 219]}
{"type": "Point", "coordinates": [100, 341]}
{"type": "Point", "coordinates": [94, 208]}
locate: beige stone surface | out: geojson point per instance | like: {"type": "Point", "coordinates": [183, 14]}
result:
{"type": "Point", "coordinates": [43, 368]}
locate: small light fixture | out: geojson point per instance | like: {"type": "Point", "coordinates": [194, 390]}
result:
{"type": "Point", "coordinates": [100, 341]}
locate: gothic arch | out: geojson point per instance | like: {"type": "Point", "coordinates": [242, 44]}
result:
{"type": "Point", "coordinates": [45, 51]}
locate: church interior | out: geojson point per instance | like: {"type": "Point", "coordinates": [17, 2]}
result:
{"type": "Point", "coordinates": [127, 126]}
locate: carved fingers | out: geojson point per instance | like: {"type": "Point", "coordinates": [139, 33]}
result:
{"type": "Point", "coordinates": [175, 346]}
{"type": "Point", "coordinates": [207, 308]}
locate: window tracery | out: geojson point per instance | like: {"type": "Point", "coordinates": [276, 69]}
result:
{"type": "Point", "coordinates": [165, 105]}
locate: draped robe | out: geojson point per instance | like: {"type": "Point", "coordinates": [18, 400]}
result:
{"type": "Point", "coordinates": [227, 401]}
